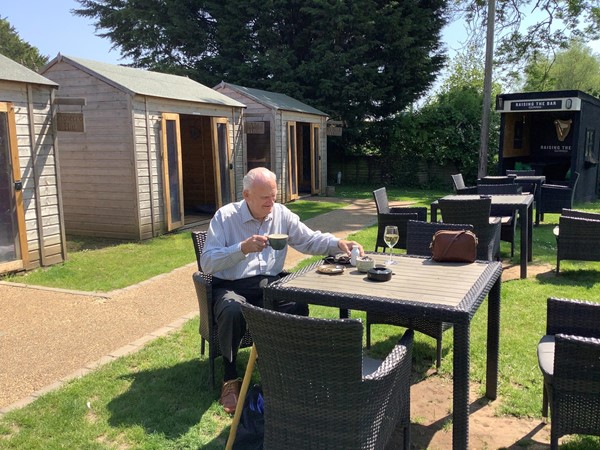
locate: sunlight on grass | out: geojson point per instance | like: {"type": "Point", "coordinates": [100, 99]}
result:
{"type": "Point", "coordinates": [159, 397]}
{"type": "Point", "coordinates": [102, 265]}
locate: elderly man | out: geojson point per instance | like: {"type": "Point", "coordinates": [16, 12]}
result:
{"type": "Point", "coordinates": [242, 263]}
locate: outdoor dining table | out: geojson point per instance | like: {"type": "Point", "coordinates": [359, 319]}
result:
{"type": "Point", "coordinates": [419, 288]}
{"type": "Point", "coordinates": [523, 204]}
{"type": "Point", "coordinates": [538, 180]}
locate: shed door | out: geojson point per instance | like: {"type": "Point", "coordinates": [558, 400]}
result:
{"type": "Point", "coordinates": [315, 159]}
{"type": "Point", "coordinates": [13, 235]}
{"type": "Point", "coordinates": [292, 182]}
{"type": "Point", "coordinates": [223, 162]}
{"type": "Point", "coordinates": [172, 173]}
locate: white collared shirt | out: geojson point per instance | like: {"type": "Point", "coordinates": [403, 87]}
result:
{"type": "Point", "coordinates": [233, 223]}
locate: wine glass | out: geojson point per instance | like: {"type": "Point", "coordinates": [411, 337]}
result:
{"type": "Point", "coordinates": [390, 237]}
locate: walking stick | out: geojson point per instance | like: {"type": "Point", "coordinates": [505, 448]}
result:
{"type": "Point", "coordinates": [242, 398]}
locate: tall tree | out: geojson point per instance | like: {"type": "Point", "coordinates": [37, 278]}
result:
{"type": "Point", "coordinates": [357, 60]}
{"type": "Point", "coordinates": [559, 21]}
{"type": "Point", "coordinates": [446, 130]}
{"type": "Point", "coordinates": [13, 47]}
{"type": "Point", "coordinates": [574, 68]}
{"type": "Point", "coordinates": [526, 28]}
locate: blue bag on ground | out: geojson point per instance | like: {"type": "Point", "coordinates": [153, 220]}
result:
{"type": "Point", "coordinates": [250, 431]}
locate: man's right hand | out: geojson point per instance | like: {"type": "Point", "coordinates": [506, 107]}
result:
{"type": "Point", "coordinates": [255, 243]}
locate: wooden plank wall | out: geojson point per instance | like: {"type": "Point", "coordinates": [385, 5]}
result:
{"type": "Point", "coordinates": [281, 147]}
{"type": "Point", "coordinates": [97, 166]}
{"type": "Point", "coordinates": [43, 221]}
{"type": "Point", "coordinates": [256, 110]}
{"type": "Point", "coordinates": [152, 217]}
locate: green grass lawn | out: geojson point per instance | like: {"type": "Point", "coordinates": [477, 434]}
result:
{"type": "Point", "coordinates": [159, 397]}
{"type": "Point", "coordinates": [102, 265]}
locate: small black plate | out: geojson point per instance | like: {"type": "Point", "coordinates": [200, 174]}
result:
{"type": "Point", "coordinates": [340, 258]}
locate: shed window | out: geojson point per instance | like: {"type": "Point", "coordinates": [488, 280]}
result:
{"type": "Point", "coordinates": [259, 145]}
{"type": "Point", "coordinates": [591, 155]}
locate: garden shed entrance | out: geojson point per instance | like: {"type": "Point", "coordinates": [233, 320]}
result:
{"type": "Point", "coordinates": [286, 136]}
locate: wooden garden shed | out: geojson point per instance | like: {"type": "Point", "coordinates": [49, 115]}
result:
{"type": "Point", "coordinates": [142, 153]}
{"type": "Point", "coordinates": [286, 136]}
{"type": "Point", "coordinates": [31, 225]}
{"type": "Point", "coordinates": [556, 133]}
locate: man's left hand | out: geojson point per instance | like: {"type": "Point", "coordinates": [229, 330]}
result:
{"type": "Point", "coordinates": [346, 246]}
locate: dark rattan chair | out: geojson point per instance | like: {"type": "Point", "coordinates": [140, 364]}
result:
{"type": "Point", "coordinates": [394, 216]}
{"type": "Point", "coordinates": [555, 197]}
{"type": "Point", "coordinates": [477, 213]}
{"type": "Point", "coordinates": [418, 239]}
{"type": "Point", "coordinates": [316, 393]}
{"type": "Point", "coordinates": [208, 327]}
{"type": "Point", "coordinates": [577, 236]}
{"type": "Point", "coordinates": [568, 357]}
{"type": "Point", "coordinates": [508, 217]}
{"type": "Point", "coordinates": [459, 186]}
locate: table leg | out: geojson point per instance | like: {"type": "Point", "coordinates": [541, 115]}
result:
{"type": "Point", "coordinates": [460, 403]}
{"type": "Point", "coordinates": [434, 212]}
{"type": "Point", "coordinates": [530, 233]}
{"type": "Point", "coordinates": [538, 197]}
{"type": "Point", "coordinates": [523, 216]}
{"type": "Point", "coordinates": [493, 340]}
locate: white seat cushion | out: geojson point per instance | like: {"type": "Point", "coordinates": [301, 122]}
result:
{"type": "Point", "coordinates": [545, 352]}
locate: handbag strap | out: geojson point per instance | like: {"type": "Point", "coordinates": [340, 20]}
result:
{"type": "Point", "coordinates": [452, 242]}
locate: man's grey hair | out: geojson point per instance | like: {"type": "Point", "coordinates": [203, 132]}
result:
{"type": "Point", "coordinates": [256, 173]}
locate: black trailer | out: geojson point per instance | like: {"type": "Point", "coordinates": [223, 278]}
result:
{"type": "Point", "coordinates": [556, 133]}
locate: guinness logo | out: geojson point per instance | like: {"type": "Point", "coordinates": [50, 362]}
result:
{"type": "Point", "coordinates": [562, 128]}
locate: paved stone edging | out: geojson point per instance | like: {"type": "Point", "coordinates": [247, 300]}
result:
{"type": "Point", "coordinates": [96, 294]}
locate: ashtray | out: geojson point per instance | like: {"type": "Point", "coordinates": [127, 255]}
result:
{"type": "Point", "coordinates": [330, 269]}
{"type": "Point", "coordinates": [379, 274]}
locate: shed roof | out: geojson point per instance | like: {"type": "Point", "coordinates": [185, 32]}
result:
{"type": "Point", "coordinates": [13, 71]}
{"type": "Point", "coordinates": [145, 82]}
{"type": "Point", "coordinates": [274, 100]}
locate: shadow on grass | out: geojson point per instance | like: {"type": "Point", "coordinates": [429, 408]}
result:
{"type": "Point", "coordinates": [167, 401]}
{"type": "Point", "coordinates": [423, 355]}
{"type": "Point", "coordinates": [586, 278]}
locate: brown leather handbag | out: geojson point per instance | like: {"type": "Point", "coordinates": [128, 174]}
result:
{"type": "Point", "coordinates": [454, 246]}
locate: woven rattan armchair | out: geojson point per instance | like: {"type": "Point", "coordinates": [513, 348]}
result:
{"type": "Point", "coordinates": [315, 391]}
{"type": "Point", "coordinates": [477, 213]}
{"type": "Point", "coordinates": [577, 236]}
{"type": "Point", "coordinates": [208, 326]}
{"type": "Point", "coordinates": [418, 239]}
{"type": "Point", "coordinates": [555, 197]}
{"type": "Point", "coordinates": [394, 216]}
{"type": "Point", "coordinates": [568, 357]}
{"type": "Point", "coordinates": [459, 186]}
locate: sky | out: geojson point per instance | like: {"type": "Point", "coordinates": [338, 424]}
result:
{"type": "Point", "coordinates": [50, 26]}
